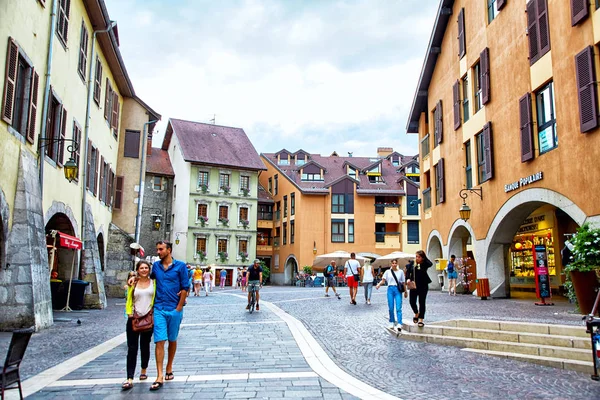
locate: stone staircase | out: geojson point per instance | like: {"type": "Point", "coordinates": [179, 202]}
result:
{"type": "Point", "coordinates": [559, 346]}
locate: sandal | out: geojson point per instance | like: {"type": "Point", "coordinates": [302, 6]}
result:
{"type": "Point", "coordinates": [143, 377]}
{"type": "Point", "coordinates": [156, 385]}
{"type": "Point", "coordinates": [416, 319]}
{"type": "Point", "coordinates": [421, 324]}
{"type": "Point", "coordinates": [169, 376]}
{"type": "Point", "coordinates": [127, 385]}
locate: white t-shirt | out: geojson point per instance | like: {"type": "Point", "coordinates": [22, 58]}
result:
{"type": "Point", "coordinates": [390, 279]}
{"type": "Point", "coordinates": [367, 274]}
{"type": "Point", "coordinates": [355, 267]}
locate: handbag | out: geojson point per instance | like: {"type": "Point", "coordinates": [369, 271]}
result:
{"type": "Point", "coordinates": [142, 323]}
{"type": "Point", "coordinates": [356, 276]}
{"type": "Point", "coordinates": [400, 285]}
{"type": "Point", "coordinates": [411, 285]}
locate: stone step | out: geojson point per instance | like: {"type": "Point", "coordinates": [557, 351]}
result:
{"type": "Point", "coordinates": [574, 365]}
{"type": "Point", "coordinates": [520, 327]}
{"type": "Point", "coordinates": [505, 336]}
{"type": "Point", "coordinates": [567, 353]}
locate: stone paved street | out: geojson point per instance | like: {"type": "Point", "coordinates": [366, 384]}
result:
{"type": "Point", "coordinates": [225, 352]}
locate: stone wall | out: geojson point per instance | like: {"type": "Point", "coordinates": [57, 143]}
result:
{"type": "Point", "coordinates": [92, 268]}
{"type": "Point", "coordinates": [155, 202]}
{"type": "Point", "coordinates": [118, 261]}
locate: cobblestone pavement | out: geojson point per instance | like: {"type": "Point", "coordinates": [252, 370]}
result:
{"type": "Point", "coordinates": [217, 336]}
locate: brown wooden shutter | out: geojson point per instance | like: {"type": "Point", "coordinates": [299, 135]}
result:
{"type": "Point", "coordinates": [500, 4]}
{"type": "Point", "coordinates": [586, 83]}
{"type": "Point", "coordinates": [488, 152]}
{"type": "Point", "coordinates": [98, 81]}
{"type": "Point", "coordinates": [63, 135]}
{"type": "Point", "coordinates": [97, 173]}
{"type": "Point", "coordinates": [439, 122]}
{"type": "Point", "coordinates": [579, 11]}
{"type": "Point", "coordinates": [109, 191]}
{"type": "Point", "coordinates": [456, 99]}
{"type": "Point", "coordinates": [118, 193]}
{"type": "Point", "coordinates": [83, 47]}
{"type": "Point", "coordinates": [107, 99]}
{"type": "Point", "coordinates": [442, 182]}
{"type": "Point", "coordinates": [33, 97]}
{"type": "Point", "coordinates": [115, 111]}
{"type": "Point", "coordinates": [102, 181]}
{"type": "Point", "coordinates": [462, 48]}
{"type": "Point", "coordinates": [543, 26]}
{"type": "Point", "coordinates": [485, 75]}
{"type": "Point", "coordinates": [89, 164]}
{"type": "Point", "coordinates": [532, 31]}
{"type": "Point", "coordinates": [526, 121]}
{"type": "Point", "coordinates": [10, 81]}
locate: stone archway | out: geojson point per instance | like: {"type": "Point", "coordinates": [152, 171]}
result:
{"type": "Point", "coordinates": [504, 226]}
{"type": "Point", "coordinates": [435, 250]}
{"type": "Point", "coordinates": [63, 261]}
{"type": "Point", "coordinates": [290, 269]}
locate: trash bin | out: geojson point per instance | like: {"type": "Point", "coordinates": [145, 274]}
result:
{"type": "Point", "coordinates": [77, 293]}
{"type": "Point", "coordinates": [58, 294]}
{"type": "Point", "coordinates": [483, 288]}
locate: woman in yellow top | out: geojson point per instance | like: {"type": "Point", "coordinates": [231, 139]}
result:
{"type": "Point", "coordinates": [197, 277]}
{"type": "Point", "coordinates": [140, 300]}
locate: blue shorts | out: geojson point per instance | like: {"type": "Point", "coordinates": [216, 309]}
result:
{"type": "Point", "coordinates": [452, 275]}
{"type": "Point", "coordinates": [166, 325]}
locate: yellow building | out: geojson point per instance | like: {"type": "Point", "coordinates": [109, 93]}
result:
{"type": "Point", "coordinates": [320, 204]}
{"type": "Point", "coordinates": [506, 109]}
{"type": "Point", "coordinates": [62, 105]}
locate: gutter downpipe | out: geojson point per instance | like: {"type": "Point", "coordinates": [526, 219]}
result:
{"type": "Point", "coordinates": [83, 145]}
{"type": "Point", "coordinates": [140, 199]}
{"type": "Point", "coordinates": [42, 153]}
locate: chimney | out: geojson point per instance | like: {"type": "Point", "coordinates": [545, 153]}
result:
{"type": "Point", "coordinates": [384, 151]}
{"type": "Point", "coordinates": [149, 145]}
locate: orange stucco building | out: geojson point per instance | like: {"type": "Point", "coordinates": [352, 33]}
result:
{"type": "Point", "coordinates": [507, 107]}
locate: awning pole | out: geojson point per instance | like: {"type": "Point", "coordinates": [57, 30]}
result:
{"type": "Point", "coordinates": [66, 307]}
{"type": "Point", "coordinates": [53, 252]}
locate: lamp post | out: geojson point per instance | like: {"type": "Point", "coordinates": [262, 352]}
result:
{"type": "Point", "coordinates": [465, 210]}
{"type": "Point", "coordinates": [315, 248]}
{"type": "Point", "coordinates": [71, 168]}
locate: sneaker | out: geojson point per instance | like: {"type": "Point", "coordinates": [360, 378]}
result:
{"type": "Point", "coordinates": [399, 328]}
{"type": "Point", "coordinates": [392, 325]}
{"type": "Point", "coordinates": [369, 302]}
{"type": "Point", "coordinates": [248, 307]}
{"type": "Point", "coordinates": [257, 307]}
{"type": "Point", "coordinates": [326, 295]}
{"type": "Point", "coordinates": [339, 297]}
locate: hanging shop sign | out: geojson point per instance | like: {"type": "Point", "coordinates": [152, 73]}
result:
{"type": "Point", "coordinates": [538, 176]}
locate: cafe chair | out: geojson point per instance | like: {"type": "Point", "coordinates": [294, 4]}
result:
{"type": "Point", "coordinates": [11, 379]}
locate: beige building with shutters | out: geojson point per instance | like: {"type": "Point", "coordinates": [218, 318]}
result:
{"type": "Point", "coordinates": [506, 109]}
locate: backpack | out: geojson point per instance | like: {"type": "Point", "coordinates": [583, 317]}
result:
{"type": "Point", "coordinates": [450, 267]}
{"type": "Point", "coordinates": [328, 270]}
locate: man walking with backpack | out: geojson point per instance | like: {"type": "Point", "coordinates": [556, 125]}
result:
{"type": "Point", "coordinates": [329, 274]}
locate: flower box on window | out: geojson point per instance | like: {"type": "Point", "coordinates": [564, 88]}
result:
{"type": "Point", "coordinates": [224, 221]}
{"type": "Point", "coordinates": [245, 192]}
{"type": "Point", "coordinates": [203, 220]}
{"type": "Point", "coordinates": [201, 255]}
{"type": "Point", "coordinates": [225, 189]}
{"type": "Point", "coordinates": [243, 256]}
{"type": "Point", "coordinates": [203, 187]}
{"type": "Point", "coordinates": [223, 256]}
{"type": "Point", "coordinates": [244, 223]}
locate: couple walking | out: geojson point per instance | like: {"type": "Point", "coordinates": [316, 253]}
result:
{"type": "Point", "coordinates": [354, 274]}
{"type": "Point", "coordinates": [162, 290]}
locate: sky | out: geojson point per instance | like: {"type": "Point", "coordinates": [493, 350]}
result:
{"type": "Point", "coordinates": [317, 75]}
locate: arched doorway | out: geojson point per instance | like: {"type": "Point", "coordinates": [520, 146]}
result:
{"type": "Point", "coordinates": [291, 269]}
{"type": "Point", "coordinates": [434, 250]}
{"type": "Point", "coordinates": [100, 240]}
{"type": "Point", "coordinates": [61, 259]}
{"type": "Point", "coordinates": [461, 246]}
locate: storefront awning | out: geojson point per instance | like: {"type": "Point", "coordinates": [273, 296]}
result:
{"type": "Point", "coordinates": [68, 241]}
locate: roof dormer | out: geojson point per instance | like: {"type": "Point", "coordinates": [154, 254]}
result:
{"type": "Point", "coordinates": [283, 157]}
{"type": "Point", "coordinates": [312, 171]}
{"type": "Point", "coordinates": [395, 158]}
{"type": "Point", "coordinates": [301, 157]}
{"type": "Point", "coordinates": [373, 172]}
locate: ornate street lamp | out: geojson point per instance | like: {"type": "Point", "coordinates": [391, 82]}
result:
{"type": "Point", "coordinates": [71, 169]}
{"type": "Point", "coordinates": [157, 222]}
{"type": "Point", "coordinates": [465, 210]}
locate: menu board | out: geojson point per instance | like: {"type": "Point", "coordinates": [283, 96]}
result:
{"type": "Point", "coordinates": [542, 277]}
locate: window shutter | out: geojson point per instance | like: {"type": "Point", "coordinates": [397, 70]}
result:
{"type": "Point", "coordinates": [63, 136]}
{"type": "Point", "coordinates": [462, 48]}
{"type": "Point", "coordinates": [488, 152]}
{"type": "Point", "coordinates": [107, 99]}
{"type": "Point", "coordinates": [101, 180]}
{"type": "Point", "coordinates": [586, 83]}
{"type": "Point", "coordinates": [89, 164]}
{"type": "Point", "coordinates": [485, 75]}
{"type": "Point", "coordinates": [579, 11]}
{"type": "Point", "coordinates": [97, 172]}
{"type": "Point", "coordinates": [439, 122]}
{"type": "Point", "coordinates": [442, 183]}
{"type": "Point", "coordinates": [119, 193]}
{"type": "Point", "coordinates": [109, 190]}
{"type": "Point", "coordinates": [543, 26]}
{"type": "Point", "coordinates": [532, 31]}
{"type": "Point", "coordinates": [526, 121]}
{"type": "Point", "coordinates": [456, 99]}
{"type": "Point", "coordinates": [33, 97]}
{"type": "Point", "coordinates": [115, 111]}
{"type": "Point", "coordinates": [10, 79]}
{"type": "Point", "coordinates": [98, 81]}
{"type": "Point", "coordinates": [500, 4]}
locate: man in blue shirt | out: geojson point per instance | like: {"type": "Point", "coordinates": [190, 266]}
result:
{"type": "Point", "coordinates": [171, 291]}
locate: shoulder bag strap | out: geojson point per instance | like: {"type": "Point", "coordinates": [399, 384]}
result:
{"type": "Point", "coordinates": [396, 279]}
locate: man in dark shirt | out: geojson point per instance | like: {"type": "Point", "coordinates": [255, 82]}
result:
{"type": "Point", "coordinates": [254, 277]}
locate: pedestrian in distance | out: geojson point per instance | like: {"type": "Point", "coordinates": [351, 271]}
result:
{"type": "Point", "coordinates": [207, 280]}
{"type": "Point", "coordinates": [255, 276]}
{"type": "Point", "coordinates": [223, 278]}
{"type": "Point", "coordinates": [418, 275]}
{"type": "Point", "coordinates": [197, 280]}
{"type": "Point", "coordinates": [366, 277]}
{"type": "Point", "coordinates": [244, 279]}
{"type": "Point", "coordinates": [239, 280]}
{"type": "Point", "coordinates": [329, 274]}
{"type": "Point", "coordinates": [394, 277]}
{"type": "Point", "coordinates": [352, 268]}
{"type": "Point", "coordinates": [452, 275]}
{"type": "Point", "coordinates": [140, 301]}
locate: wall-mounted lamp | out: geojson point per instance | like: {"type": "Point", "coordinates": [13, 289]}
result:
{"type": "Point", "coordinates": [315, 248]}
{"type": "Point", "coordinates": [465, 210]}
{"type": "Point", "coordinates": [414, 202]}
{"type": "Point", "coordinates": [177, 238]}
{"type": "Point", "coordinates": [157, 222]}
{"type": "Point", "coordinates": [70, 168]}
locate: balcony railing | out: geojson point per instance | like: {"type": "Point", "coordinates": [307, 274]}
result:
{"type": "Point", "coordinates": [380, 236]}
{"type": "Point", "coordinates": [264, 241]}
{"type": "Point", "coordinates": [277, 215]}
{"type": "Point", "coordinates": [427, 199]}
{"type": "Point", "coordinates": [425, 146]}
{"type": "Point", "coordinates": [380, 207]}
{"type": "Point", "coordinates": [265, 216]}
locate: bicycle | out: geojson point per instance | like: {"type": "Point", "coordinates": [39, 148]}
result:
{"type": "Point", "coordinates": [590, 322]}
{"type": "Point", "coordinates": [252, 297]}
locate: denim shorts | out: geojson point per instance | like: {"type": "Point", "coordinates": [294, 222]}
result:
{"type": "Point", "coordinates": [452, 275]}
{"type": "Point", "coordinates": [166, 325]}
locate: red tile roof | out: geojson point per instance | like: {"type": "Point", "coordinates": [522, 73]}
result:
{"type": "Point", "coordinates": [159, 163]}
{"type": "Point", "coordinates": [214, 145]}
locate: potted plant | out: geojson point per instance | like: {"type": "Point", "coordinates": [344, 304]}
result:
{"type": "Point", "coordinates": [201, 255]}
{"type": "Point", "coordinates": [224, 221]}
{"type": "Point", "coordinates": [244, 223]}
{"type": "Point", "coordinates": [307, 269]}
{"type": "Point", "coordinates": [243, 256]}
{"type": "Point", "coordinates": [203, 187]}
{"type": "Point", "coordinates": [225, 189]}
{"type": "Point", "coordinates": [203, 220]}
{"type": "Point", "coordinates": [582, 268]}
{"type": "Point", "coordinates": [223, 256]}
{"type": "Point", "coordinates": [246, 192]}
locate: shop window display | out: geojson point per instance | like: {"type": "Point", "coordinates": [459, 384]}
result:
{"type": "Point", "coordinates": [522, 253]}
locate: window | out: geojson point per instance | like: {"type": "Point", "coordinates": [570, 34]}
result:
{"type": "Point", "coordinates": [438, 117]}
{"type": "Point", "coordinates": [108, 102]}
{"type": "Point", "coordinates": [412, 232]}
{"type": "Point", "coordinates": [292, 231]}
{"type": "Point", "coordinates": [337, 231]}
{"type": "Point", "coordinates": [468, 165]}
{"type": "Point", "coordinates": [55, 129]}
{"type": "Point", "coordinates": [546, 121]}
{"type": "Point", "coordinates": [351, 231]}
{"type": "Point", "coordinates": [465, 102]}
{"type": "Point", "coordinates": [537, 29]}
{"type": "Point", "coordinates": [245, 182]}
{"type": "Point", "coordinates": [300, 159]}
{"type": "Point", "coordinates": [283, 159]}
{"type": "Point", "coordinates": [223, 212]}
{"type": "Point", "coordinates": [83, 48]}
{"type": "Point", "coordinates": [337, 203]}
{"type": "Point", "coordinates": [270, 185]}
{"type": "Point", "coordinates": [203, 179]}
{"type": "Point", "coordinates": [284, 233]}
{"type": "Point", "coordinates": [224, 182]}
{"type": "Point", "coordinates": [19, 100]}
{"type": "Point", "coordinates": [311, 177]}
{"type": "Point", "coordinates": [132, 144]}
{"type": "Point", "coordinates": [62, 26]}
{"type": "Point", "coordinates": [492, 10]}
{"type": "Point", "coordinates": [222, 246]}
{"type": "Point", "coordinates": [285, 206]}
{"type": "Point", "coordinates": [293, 204]}
{"type": "Point", "coordinates": [77, 139]}
{"type": "Point", "coordinates": [202, 211]}
{"type": "Point", "coordinates": [243, 213]}
{"type": "Point", "coordinates": [395, 161]}
{"type": "Point", "coordinates": [159, 184]}
{"type": "Point", "coordinates": [201, 244]}
{"type": "Point", "coordinates": [93, 160]}
{"type": "Point", "coordinates": [243, 246]}
{"type": "Point", "coordinates": [485, 154]}
{"type": "Point", "coordinates": [352, 172]}
{"type": "Point", "coordinates": [462, 44]}
{"type": "Point", "coordinates": [98, 81]}
{"type": "Point", "coordinates": [376, 179]}
{"type": "Point", "coordinates": [478, 103]}
{"type": "Point", "coordinates": [439, 182]}
{"type": "Point", "coordinates": [425, 146]}
{"type": "Point", "coordinates": [276, 184]}
{"type": "Point", "coordinates": [412, 208]}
